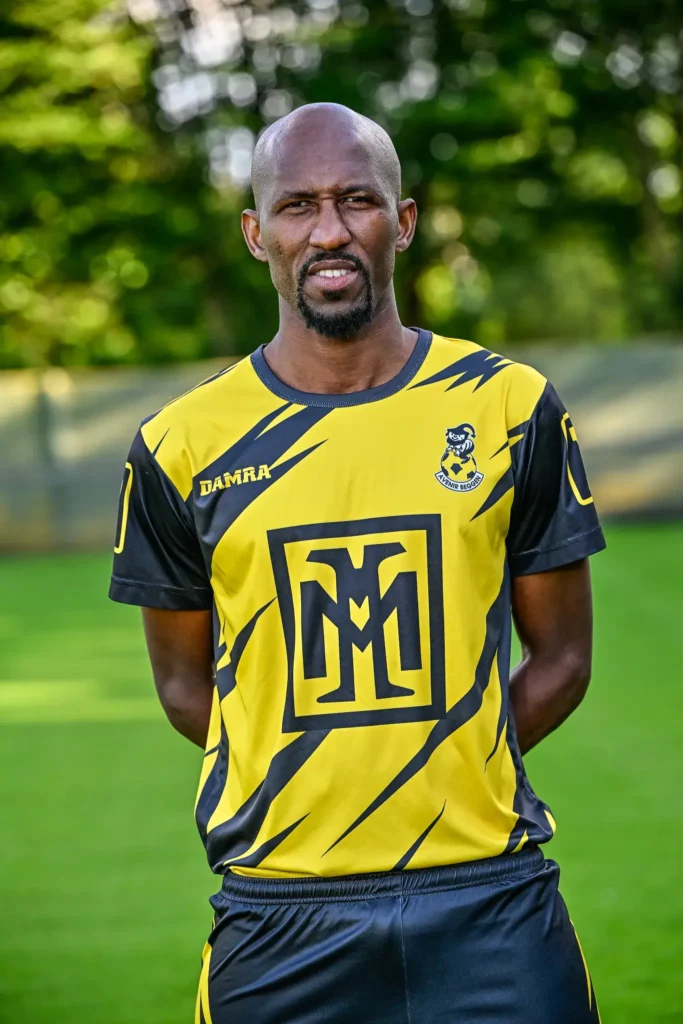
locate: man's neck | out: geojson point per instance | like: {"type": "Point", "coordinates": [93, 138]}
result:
{"type": "Point", "coordinates": [308, 361]}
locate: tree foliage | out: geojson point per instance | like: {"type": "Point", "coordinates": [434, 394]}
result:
{"type": "Point", "coordinates": [541, 141]}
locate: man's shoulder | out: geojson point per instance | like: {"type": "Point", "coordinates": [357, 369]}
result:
{"type": "Point", "coordinates": [188, 433]}
{"type": "Point", "coordinates": [457, 362]}
{"type": "Point", "coordinates": [198, 401]}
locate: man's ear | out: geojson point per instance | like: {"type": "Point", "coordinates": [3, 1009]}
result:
{"type": "Point", "coordinates": [407, 221]}
{"type": "Point", "coordinates": [251, 229]}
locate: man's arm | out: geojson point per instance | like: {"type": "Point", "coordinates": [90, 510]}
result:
{"type": "Point", "coordinates": [180, 646]}
{"type": "Point", "coordinates": [554, 619]}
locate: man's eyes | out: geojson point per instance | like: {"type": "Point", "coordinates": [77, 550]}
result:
{"type": "Point", "coordinates": [297, 205]}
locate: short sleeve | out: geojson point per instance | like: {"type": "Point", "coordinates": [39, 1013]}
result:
{"type": "Point", "coordinates": [553, 520]}
{"type": "Point", "coordinates": [158, 562]}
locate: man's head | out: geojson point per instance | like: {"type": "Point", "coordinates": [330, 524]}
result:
{"type": "Point", "coordinates": [329, 218]}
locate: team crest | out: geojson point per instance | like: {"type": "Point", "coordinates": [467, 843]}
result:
{"type": "Point", "coordinates": [458, 465]}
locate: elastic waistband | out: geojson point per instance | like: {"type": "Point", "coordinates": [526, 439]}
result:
{"type": "Point", "coordinates": [381, 884]}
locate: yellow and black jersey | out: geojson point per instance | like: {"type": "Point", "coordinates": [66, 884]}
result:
{"type": "Point", "coordinates": [357, 552]}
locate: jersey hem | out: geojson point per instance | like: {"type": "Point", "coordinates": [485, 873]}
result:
{"type": "Point", "coordinates": [492, 870]}
{"type": "Point", "coordinates": [572, 550]}
{"type": "Point", "coordinates": [159, 595]}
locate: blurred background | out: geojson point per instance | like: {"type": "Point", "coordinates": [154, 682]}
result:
{"type": "Point", "coordinates": [543, 144]}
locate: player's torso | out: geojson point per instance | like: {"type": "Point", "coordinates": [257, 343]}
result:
{"type": "Point", "coordinates": [357, 556]}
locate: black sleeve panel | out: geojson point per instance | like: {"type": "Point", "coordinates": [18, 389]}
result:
{"type": "Point", "coordinates": [553, 520]}
{"type": "Point", "coordinates": [158, 562]}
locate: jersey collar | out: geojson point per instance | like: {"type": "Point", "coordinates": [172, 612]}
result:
{"type": "Point", "coordinates": [397, 383]}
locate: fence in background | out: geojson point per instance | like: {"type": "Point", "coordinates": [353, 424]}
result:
{"type": "Point", "coordinates": [64, 436]}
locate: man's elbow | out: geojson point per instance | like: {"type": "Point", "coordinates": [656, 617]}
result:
{"type": "Point", "coordinates": [577, 670]}
{"type": "Point", "coordinates": [187, 705]}
{"type": "Point", "coordinates": [178, 697]}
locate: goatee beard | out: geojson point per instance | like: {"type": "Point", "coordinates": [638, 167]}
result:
{"type": "Point", "coordinates": [336, 325]}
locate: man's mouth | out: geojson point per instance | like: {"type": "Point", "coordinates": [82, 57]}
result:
{"type": "Point", "coordinates": [333, 275]}
{"type": "Point", "coordinates": [334, 294]}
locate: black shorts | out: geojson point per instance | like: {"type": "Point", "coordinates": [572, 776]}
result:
{"type": "Point", "coordinates": [489, 942]}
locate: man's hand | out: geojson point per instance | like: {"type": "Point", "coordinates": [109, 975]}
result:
{"type": "Point", "coordinates": [180, 646]}
{"type": "Point", "coordinates": [553, 614]}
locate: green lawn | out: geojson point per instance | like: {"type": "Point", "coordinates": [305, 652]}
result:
{"type": "Point", "coordinates": [103, 877]}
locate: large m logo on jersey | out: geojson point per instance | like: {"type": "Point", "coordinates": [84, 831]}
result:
{"type": "Point", "coordinates": [362, 613]}
{"type": "Point", "coordinates": [360, 585]}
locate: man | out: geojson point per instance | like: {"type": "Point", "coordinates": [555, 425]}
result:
{"type": "Point", "coordinates": [326, 598]}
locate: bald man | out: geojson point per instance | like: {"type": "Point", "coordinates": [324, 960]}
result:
{"type": "Point", "coordinates": [328, 539]}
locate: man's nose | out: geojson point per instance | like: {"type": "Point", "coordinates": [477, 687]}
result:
{"type": "Point", "coordinates": [330, 231]}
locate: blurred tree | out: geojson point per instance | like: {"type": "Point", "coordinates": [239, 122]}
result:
{"type": "Point", "coordinates": [107, 223]}
{"type": "Point", "coordinates": [542, 142]}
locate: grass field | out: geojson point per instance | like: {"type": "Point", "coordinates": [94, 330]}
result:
{"type": "Point", "coordinates": [104, 883]}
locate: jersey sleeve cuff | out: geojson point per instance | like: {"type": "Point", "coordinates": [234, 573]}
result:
{"type": "Point", "coordinates": [525, 563]}
{"type": "Point", "coordinates": [156, 595]}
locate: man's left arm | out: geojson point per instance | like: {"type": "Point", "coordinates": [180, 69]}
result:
{"type": "Point", "coordinates": [554, 527]}
{"type": "Point", "coordinates": [554, 619]}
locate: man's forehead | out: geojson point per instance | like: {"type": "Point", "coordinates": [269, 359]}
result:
{"type": "Point", "coordinates": [323, 164]}
{"type": "Point", "coordinates": [323, 147]}
{"type": "Point", "coordinates": [341, 172]}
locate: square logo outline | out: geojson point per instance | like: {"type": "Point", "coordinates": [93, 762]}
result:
{"type": "Point", "coordinates": [430, 525]}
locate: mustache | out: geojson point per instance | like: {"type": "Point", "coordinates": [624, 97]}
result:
{"type": "Point", "coordinates": [323, 257]}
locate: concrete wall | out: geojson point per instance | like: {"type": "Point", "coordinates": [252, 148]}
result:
{"type": "Point", "coordinates": [64, 436]}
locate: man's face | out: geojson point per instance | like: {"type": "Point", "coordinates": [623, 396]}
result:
{"type": "Point", "coordinates": [329, 227]}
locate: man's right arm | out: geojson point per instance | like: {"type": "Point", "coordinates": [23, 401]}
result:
{"type": "Point", "coordinates": [159, 565]}
{"type": "Point", "coordinates": [181, 652]}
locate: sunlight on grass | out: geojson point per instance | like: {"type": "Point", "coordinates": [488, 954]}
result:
{"type": "Point", "coordinates": [102, 858]}
{"type": "Point", "coordinates": [78, 701]}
